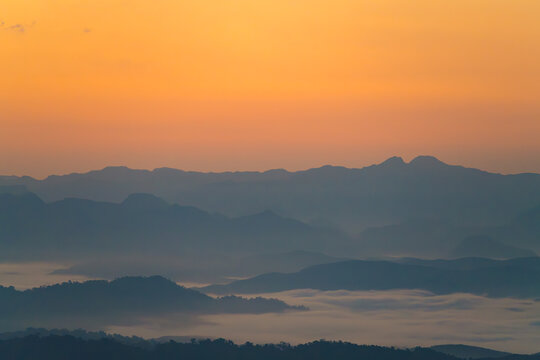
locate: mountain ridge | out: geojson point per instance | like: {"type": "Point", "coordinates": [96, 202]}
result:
{"type": "Point", "coordinates": [485, 277]}
{"type": "Point", "coordinates": [74, 228]}
{"type": "Point", "coordinates": [351, 199]}
{"type": "Point", "coordinates": [419, 160]}
{"type": "Point", "coordinates": [102, 303]}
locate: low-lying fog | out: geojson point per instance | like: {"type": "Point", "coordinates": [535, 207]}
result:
{"type": "Point", "coordinates": [399, 318]}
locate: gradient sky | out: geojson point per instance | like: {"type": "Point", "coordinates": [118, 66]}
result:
{"type": "Point", "coordinates": [245, 84]}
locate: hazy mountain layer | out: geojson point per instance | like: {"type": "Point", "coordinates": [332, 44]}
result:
{"type": "Point", "coordinates": [215, 270]}
{"type": "Point", "coordinates": [144, 224]}
{"type": "Point", "coordinates": [388, 193]}
{"type": "Point", "coordinates": [438, 238]}
{"type": "Point", "coordinates": [509, 278]}
{"type": "Point", "coordinates": [100, 303]}
{"type": "Point", "coordinates": [478, 246]}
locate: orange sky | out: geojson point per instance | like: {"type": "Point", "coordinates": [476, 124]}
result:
{"type": "Point", "coordinates": [257, 84]}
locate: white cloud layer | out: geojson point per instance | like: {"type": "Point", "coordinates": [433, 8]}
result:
{"type": "Point", "coordinates": [396, 318]}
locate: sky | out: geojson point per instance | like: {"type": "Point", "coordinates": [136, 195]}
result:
{"type": "Point", "coordinates": [252, 85]}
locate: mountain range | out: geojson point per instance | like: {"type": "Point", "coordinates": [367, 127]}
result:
{"type": "Point", "coordinates": [430, 238]}
{"type": "Point", "coordinates": [494, 278]}
{"type": "Point", "coordinates": [214, 227]}
{"type": "Point", "coordinates": [200, 270]}
{"type": "Point", "coordinates": [388, 193]}
{"type": "Point", "coordinates": [144, 224]}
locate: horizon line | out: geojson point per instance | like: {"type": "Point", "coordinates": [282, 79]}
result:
{"type": "Point", "coordinates": [397, 159]}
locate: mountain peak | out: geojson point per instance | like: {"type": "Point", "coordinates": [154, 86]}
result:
{"type": "Point", "coordinates": [393, 161]}
{"type": "Point", "coordinates": [113, 168]}
{"type": "Point", "coordinates": [119, 171]}
{"type": "Point", "coordinates": [426, 161]}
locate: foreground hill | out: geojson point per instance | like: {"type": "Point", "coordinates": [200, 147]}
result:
{"type": "Point", "coordinates": [509, 278]}
{"type": "Point", "coordinates": [101, 303]}
{"type": "Point", "coordinates": [388, 193]}
{"type": "Point", "coordinates": [144, 224]}
{"type": "Point", "coordinates": [68, 347]}
{"type": "Point", "coordinates": [455, 350]}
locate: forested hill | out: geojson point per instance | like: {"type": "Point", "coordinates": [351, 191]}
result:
{"type": "Point", "coordinates": [69, 348]}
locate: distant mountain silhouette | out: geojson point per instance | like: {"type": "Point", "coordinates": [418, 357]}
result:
{"type": "Point", "coordinates": [145, 202]}
{"type": "Point", "coordinates": [215, 270]}
{"type": "Point", "coordinates": [470, 263]}
{"type": "Point", "coordinates": [424, 208]}
{"type": "Point", "coordinates": [477, 246]}
{"type": "Point", "coordinates": [438, 238]}
{"type": "Point", "coordinates": [144, 224]}
{"type": "Point", "coordinates": [421, 238]}
{"type": "Point", "coordinates": [284, 262]}
{"type": "Point", "coordinates": [102, 303]}
{"type": "Point", "coordinates": [508, 278]}
{"type": "Point", "coordinates": [469, 352]}
{"type": "Point", "coordinates": [522, 231]}
{"type": "Point", "coordinates": [392, 192]}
